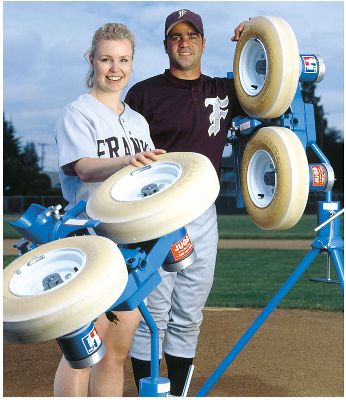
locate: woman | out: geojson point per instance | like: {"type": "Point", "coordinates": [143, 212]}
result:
{"type": "Point", "coordinates": [97, 135]}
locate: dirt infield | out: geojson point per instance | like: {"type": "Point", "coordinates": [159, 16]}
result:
{"type": "Point", "coordinates": [295, 353]}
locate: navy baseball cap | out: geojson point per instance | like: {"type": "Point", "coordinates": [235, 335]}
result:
{"type": "Point", "coordinates": [183, 16]}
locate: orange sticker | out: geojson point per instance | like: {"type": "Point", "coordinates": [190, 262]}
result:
{"type": "Point", "coordinates": [318, 175]}
{"type": "Point", "coordinates": [182, 249]}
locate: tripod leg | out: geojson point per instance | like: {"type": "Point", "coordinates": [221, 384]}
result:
{"type": "Point", "coordinates": [257, 323]}
{"type": "Point", "coordinates": [153, 386]}
{"type": "Point", "coordinates": [154, 365]}
{"type": "Point", "coordinates": [338, 260]}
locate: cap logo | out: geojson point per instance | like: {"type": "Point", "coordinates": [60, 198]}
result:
{"type": "Point", "coordinates": [181, 13]}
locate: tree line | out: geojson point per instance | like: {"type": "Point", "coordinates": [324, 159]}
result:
{"type": "Point", "coordinates": [23, 176]}
{"type": "Point", "coordinates": [329, 139]}
{"type": "Point", "coordinates": [21, 172]}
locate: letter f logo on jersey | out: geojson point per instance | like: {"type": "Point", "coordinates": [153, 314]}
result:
{"type": "Point", "coordinates": [217, 113]}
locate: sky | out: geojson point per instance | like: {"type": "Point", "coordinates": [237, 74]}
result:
{"type": "Point", "coordinates": [44, 43]}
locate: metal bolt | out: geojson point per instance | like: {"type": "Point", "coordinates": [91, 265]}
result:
{"type": "Point", "coordinates": [149, 189]}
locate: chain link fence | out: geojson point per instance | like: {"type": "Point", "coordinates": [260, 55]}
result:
{"type": "Point", "coordinates": [19, 204]}
{"type": "Point", "coordinates": [225, 202]}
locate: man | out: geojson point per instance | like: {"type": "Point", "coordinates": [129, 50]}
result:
{"type": "Point", "coordinates": [186, 111]}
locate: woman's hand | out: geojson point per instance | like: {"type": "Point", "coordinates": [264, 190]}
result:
{"type": "Point", "coordinates": [143, 158]}
{"type": "Point", "coordinates": [99, 169]}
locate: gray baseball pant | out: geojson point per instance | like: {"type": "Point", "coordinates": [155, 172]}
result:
{"type": "Point", "coordinates": [177, 302]}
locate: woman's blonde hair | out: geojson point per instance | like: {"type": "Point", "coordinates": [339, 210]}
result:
{"type": "Point", "coordinates": [111, 31]}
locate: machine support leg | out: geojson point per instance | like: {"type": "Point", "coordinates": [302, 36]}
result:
{"type": "Point", "coordinates": [338, 263]}
{"type": "Point", "coordinates": [154, 364]}
{"type": "Point", "coordinates": [296, 274]}
{"type": "Point", "coordinates": [153, 386]}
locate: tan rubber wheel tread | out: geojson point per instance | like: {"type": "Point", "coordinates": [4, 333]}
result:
{"type": "Point", "coordinates": [281, 78]}
{"type": "Point", "coordinates": [292, 178]}
{"type": "Point", "coordinates": [140, 219]}
{"type": "Point", "coordinates": [93, 290]}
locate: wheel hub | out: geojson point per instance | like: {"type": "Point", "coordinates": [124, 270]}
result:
{"type": "Point", "coordinates": [261, 178]}
{"type": "Point", "coordinates": [47, 272]}
{"type": "Point", "coordinates": [253, 67]}
{"type": "Point", "coordinates": [261, 67]}
{"type": "Point", "coordinates": [149, 189]}
{"type": "Point", "coordinates": [269, 178]}
{"type": "Point", "coordinates": [51, 281]}
{"type": "Point", "coordinates": [146, 181]}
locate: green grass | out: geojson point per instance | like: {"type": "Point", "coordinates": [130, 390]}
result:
{"type": "Point", "coordinates": [7, 260]}
{"type": "Point", "coordinates": [8, 231]}
{"type": "Point", "coordinates": [250, 278]}
{"type": "Point", "coordinates": [230, 227]}
{"type": "Point", "coordinates": [242, 227]}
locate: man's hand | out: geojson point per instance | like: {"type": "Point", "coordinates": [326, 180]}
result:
{"type": "Point", "coordinates": [238, 30]}
{"type": "Point", "coordinates": [144, 156]}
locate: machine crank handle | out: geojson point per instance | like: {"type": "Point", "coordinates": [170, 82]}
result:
{"type": "Point", "coordinates": [329, 220]}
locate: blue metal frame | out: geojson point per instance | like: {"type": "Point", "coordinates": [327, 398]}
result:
{"type": "Point", "coordinates": [328, 240]}
{"type": "Point", "coordinates": [40, 225]}
{"type": "Point", "coordinates": [247, 336]}
{"type": "Point", "coordinates": [143, 271]}
{"type": "Point", "coordinates": [153, 386]}
{"type": "Point", "coordinates": [300, 119]}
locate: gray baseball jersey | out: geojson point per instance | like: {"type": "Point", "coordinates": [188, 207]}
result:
{"type": "Point", "coordinates": [88, 128]}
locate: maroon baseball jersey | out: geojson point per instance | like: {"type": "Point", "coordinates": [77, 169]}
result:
{"type": "Point", "coordinates": [187, 115]}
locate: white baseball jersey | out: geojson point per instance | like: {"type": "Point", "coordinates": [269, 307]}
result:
{"type": "Point", "coordinates": [90, 129]}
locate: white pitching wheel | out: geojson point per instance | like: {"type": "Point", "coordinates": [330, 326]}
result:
{"type": "Point", "coordinates": [92, 275]}
{"type": "Point", "coordinates": [266, 67]}
{"type": "Point", "coordinates": [139, 204]}
{"type": "Point", "coordinates": [275, 178]}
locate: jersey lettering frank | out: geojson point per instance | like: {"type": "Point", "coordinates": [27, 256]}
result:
{"type": "Point", "coordinates": [112, 146]}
